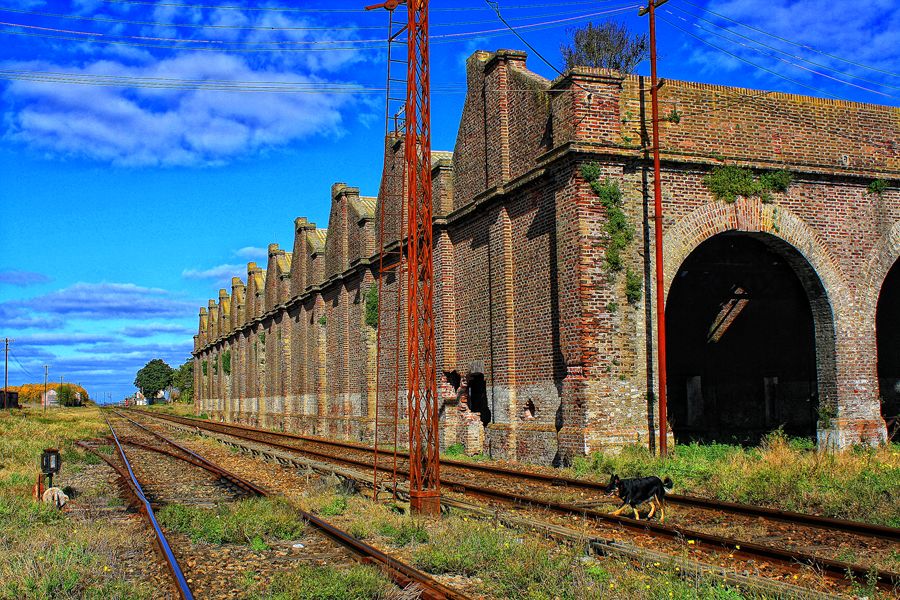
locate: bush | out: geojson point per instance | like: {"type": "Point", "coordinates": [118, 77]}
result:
{"type": "Point", "coordinates": [728, 182]}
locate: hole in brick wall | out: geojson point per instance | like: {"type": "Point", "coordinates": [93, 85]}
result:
{"type": "Point", "coordinates": [529, 412]}
{"type": "Point", "coordinates": [478, 400]}
{"type": "Point", "coordinates": [741, 342]}
{"type": "Point", "coordinates": [887, 329]}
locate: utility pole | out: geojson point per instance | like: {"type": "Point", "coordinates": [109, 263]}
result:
{"type": "Point", "coordinates": [46, 367]}
{"type": "Point", "coordinates": [6, 373]}
{"type": "Point", "coordinates": [658, 230]}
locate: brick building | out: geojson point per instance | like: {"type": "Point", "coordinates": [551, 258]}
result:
{"type": "Point", "coordinates": [544, 283]}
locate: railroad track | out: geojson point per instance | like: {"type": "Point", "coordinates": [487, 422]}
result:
{"type": "Point", "coordinates": [147, 444]}
{"type": "Point", "coordinates": [809, 530]}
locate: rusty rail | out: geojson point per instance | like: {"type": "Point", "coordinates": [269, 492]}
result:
{"type": "Point", "coordinates": [738, 547]}
{"type": "Point", "coordinates": [857, 527]}
{"type": "Point", "coordinates": [401, 573]}
{"type": "Point", "coordinates": [137, 491]}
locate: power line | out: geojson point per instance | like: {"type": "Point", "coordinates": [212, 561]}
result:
{"type": "Point", "coordinates": [268, 28]}
{"type": "Point", "coordinates": [376, 44]}
{"type": "Point", "coordinates": [329, 10]}
{"type": "Point", "coordinates": [24, 370]}
{"type": "Point", "coordinates": [793, 43]}
{"type": "Point", "coordinates": [751, 63]}
{"type": "Point", "coordinates": [778, 58]}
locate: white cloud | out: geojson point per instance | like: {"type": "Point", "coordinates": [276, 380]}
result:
{"type": "Point", "coordinates": [218, 273]}
{"type": "Point", "coordinates": [252, 252]}
{"type": "Point", "coordinates": [869, 34]}
{"type": "Point", "coordinates": [148, 127]}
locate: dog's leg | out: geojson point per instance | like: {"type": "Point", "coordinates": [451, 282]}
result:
{"type": "Point", "coordinates": [653, 502]}
{"type": "Point", "coordinates": [619, 510]}
{"type": "Point", "coordinates": [662, 511]}
{"type": "Point", "coordinates": [637, 515]}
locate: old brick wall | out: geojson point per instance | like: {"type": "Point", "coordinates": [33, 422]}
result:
{"type": "Point", "coordinates": [521, 284]}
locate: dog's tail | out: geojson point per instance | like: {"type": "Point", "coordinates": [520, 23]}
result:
{"type": "Point", "coordinates": [668, 485]}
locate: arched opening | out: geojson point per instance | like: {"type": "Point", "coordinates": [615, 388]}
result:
{"type": "Point", "coordinates": [887, 329]}
{"type": "Point", "coordinates": [744, 316]}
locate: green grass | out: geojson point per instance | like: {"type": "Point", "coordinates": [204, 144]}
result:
{"type": "Point", "coordinates": [403, 533]}
{"type": "Point", "coordinates": [328, 583]}
{"type": "Point", "coordinates": [336, 506]}
{"type": "Point", "coordinates": [247, 522]}
{"type": "Point", "coordinates": [44, 553]}
{"type": "Point", "coordinates": [860, 483]}
{"type": "Point", "coordinates": [512, 565]}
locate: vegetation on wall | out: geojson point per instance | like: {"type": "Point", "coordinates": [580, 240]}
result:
{"type": "Point", "coordinates": [323, 320]}
{"type": "Point", "coordinates": [226, 362]}
{"type": "Point", "coordinates": [372, 306]}
{"type": "Point", "coordinates": [262, 337]}
{"type": "Point", "coordinates": [620, 231]}
{"type": "Point", "coordinates": [203, 367]}
{"type": "Point", "coordinates": [728, 182]}
{"type": "Point", "coordinates": [877, 187]}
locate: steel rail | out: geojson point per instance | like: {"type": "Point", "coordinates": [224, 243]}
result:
{"type": "Point", "coordinates": [739, 547]}
{"type": "Point", "coordinates": [857, 527]}
{"type": "Point", "coordinates": [162, 542]}
{"type": "Point", "coordinates": [203, 462]}
{"type": "Point", "coordinates": [401, 573]}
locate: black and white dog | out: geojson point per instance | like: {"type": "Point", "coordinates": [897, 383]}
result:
{"type": "Point", "coordinates": [638, 490]}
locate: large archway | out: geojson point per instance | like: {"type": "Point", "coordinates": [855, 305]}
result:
{"type": "Point", "coordinates": [887, 329]}
{"type": "Point", "coordinates": [744, 314]}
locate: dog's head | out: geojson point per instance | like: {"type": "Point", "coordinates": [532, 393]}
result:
{"type": "Point", "coordinates": [613, 485]}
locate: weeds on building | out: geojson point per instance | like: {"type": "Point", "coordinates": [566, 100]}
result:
{"type": "Point", "coordinates": [203, 367]}
{"type": "Point", "coordinates": [877, 187]}
{"type": "Point", "coordinates": [372, 306]}
{"type": "Point", "coordinates": [620, 231]}
{"type": "Point", "coordinates": [728, 182]}
{"type": "Point", "coordinates": [633, 286]}
{"type": "Point", "coordinates": [226, 362]}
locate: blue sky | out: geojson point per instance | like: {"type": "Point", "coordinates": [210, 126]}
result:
{"type": "Point", "coordinates": [123, 208]}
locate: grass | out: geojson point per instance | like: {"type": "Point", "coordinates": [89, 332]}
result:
{"type": "Point", "coordinates": [328, 583]}
{"type": "Point", "coordinates": [45, 554]}
{"type": "Point", "coordinates": [247, 522]}
{"type": "Point", "coordinates": [860, 483]}
{"type": "Point", "coordinates": [511, 565]}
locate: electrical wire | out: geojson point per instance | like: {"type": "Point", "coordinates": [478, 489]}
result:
{"type": "Point", "coordinates": [90, 37]}
{"type": "Point", "coordinates": [331, 10]}
{"type": "Point", "coordinates": [742, 59]}
{"type": "Point", "coordinates": [24, 370]}
{"type": "Point", "coordinates": [778, 58]}
{"type": "Point", "coordinates": [268, 28]}
{"type": "Point", "coordinates": [793, 43]}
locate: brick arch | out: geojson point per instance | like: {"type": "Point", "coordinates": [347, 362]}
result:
{"type": "Point", "coordinates": [798, 243]}
{"type": "Point", "coordinates": [882, 257]}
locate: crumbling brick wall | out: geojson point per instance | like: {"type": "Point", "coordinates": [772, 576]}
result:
{"type": "Point", "coordinates": [521, 285]}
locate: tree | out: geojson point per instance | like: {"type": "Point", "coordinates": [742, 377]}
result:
{"type": "Point", "coordinates": [154, 377]}
{"type": "Point", "coordinates": [609, 46]}
{"type": "Point", "coordinates": [68, 395]}
{"type": "Point", "coordinates": [183, 379]}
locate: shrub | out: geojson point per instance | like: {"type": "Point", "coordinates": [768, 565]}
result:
{"type": "Point", "coordinates": [728, 182]}
{"type": "Point", "coordinates": [877, 187]}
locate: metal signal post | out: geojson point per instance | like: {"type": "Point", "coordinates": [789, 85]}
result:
{"type": "Point", "coordinates": [421, 360]}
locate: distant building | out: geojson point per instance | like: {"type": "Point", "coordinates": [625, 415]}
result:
{"type": "Point", "coordinates": [49, 398]}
